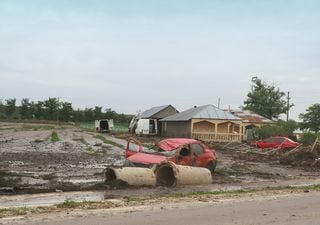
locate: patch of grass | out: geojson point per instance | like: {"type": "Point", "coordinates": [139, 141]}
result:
{"type": "Point", "coordinates": [81, 140]}
{"type": "Point", "coordinates": [21, 211]}
{"type": "Point", "coordinates": [8, 179]}
{"type": "Point", "coordinates": [102, 138]}
{"type": "Point", "coordinates": [54, 137]}
{"type": "Point", "coordinates": [67, 204]}
{"type": "Point", "coordinates": [132, 199]}
{"type": "Point", "coordinates": [3, 210]}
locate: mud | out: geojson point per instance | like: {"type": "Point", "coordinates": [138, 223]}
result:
{"type": "Point", "coordinates": [30, 162]}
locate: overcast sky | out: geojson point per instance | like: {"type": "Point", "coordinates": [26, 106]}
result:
{"type": "Point", "coordinates": [132, 55]}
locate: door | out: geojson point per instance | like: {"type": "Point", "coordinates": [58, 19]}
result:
{"type": "Point", "coordinates": [201, 159]}
{"type": "Point", "coordinates": [133, 147]}
{"type": "Point", "coordinates": [185, 156]}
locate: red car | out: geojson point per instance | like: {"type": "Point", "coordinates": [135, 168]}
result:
{"type": "Point", "coordinates": [276, 142]}
{"type": "Point", "coordinates": [181, 151]}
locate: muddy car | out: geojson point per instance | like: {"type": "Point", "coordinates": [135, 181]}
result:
{"type": "Point", "coordinates": [276, 142]}
{"type": "Point", "coordinates": [182, 151]}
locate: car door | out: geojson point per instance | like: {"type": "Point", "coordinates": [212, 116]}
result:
{"type": "Point", "coordinates": [133, 147]}
{"type": "Point", "coordinates": [201, 159]}
{"type": "Point", "coordinates": [185, 156]}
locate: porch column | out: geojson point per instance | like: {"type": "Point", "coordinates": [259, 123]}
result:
{"type": "Point", "coordinates": [215, 130]}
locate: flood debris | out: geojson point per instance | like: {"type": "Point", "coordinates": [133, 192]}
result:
{"type": "Point", "coordinates": [301, 156]}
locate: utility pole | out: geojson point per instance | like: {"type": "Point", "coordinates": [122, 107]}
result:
{"type": "Point", "coordinates": [219, 103]}
{"type": "Point", "coordinates": [288, 105]}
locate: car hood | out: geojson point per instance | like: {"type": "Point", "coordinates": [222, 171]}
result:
{"type": "Point", "coordinates": [148, 159]}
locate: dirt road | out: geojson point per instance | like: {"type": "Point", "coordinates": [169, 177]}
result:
{"type": "Point", "coordinates": [288, 209]}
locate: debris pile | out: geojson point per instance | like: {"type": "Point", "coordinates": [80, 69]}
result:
{"type": "Point", "coordinates": [304, 156]}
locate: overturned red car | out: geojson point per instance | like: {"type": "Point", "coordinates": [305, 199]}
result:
{"type": "Point", "coordinates": [276, 142]}
{"type": "Point", "coordinates": [181, 151]}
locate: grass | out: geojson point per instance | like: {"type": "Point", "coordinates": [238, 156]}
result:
{"type": "Point", "coordinates": [81, 140]}
{"type": "Point", "coordinates": [117, 127]}
{"type": "Point", "coordinates": [54, 137]}
{"type": "Point", "coordinates": [102, 138]}
{"type": "Point", "coordinates": [67, 204]}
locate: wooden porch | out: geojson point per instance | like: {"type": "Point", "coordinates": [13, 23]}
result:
{"type": "Point", "coordinates": [217, 130]}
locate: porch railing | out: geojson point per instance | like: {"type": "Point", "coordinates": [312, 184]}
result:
{"type": "Point", "coordinates": [216, 137]}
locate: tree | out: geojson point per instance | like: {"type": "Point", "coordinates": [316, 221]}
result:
{"type": "Point", "coordinates": [51, 108]}
{"type": "Point", "coordinates": [97, 112]}
{"type": "Point", "coordinates": [311, 119]}
{"type": "Point", "coordinates": [265, 99]}
{"type": "Point", "coordinates": [10, 108]}
{"type": "Point", "coordinates": [88, 114]}
{"type": "Point", "coordinates": [25, 109]}
{"type": "Point", "coordinates": [38, 110]}
{"type": "Point", "coordinates": [2, 114]}
{"type": "Point", "coordinates": [78, 116]}
{"type": "Point", "coordinates": [66, 111]}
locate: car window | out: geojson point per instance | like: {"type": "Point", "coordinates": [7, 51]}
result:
{"type": "Point", "coordinates": [133, 147]}
{"type": "Point", "coordinates": [185, 151]}
{"type": "Point", "coordinates": [269, 140]}
{"type": "Point", "coordinates": [197, 149]}
{"type": "Point", "coordinates": [279, 140]}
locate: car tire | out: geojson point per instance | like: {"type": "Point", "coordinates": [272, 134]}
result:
{"type": "Point", "coordinates": [211, 166]}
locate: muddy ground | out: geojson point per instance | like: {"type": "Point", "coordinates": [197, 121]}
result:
{"type": "Point", "coordinates": [32, 162]}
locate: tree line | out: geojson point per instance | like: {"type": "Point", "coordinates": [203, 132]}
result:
{"type": "Point", "coordinates": [53, 109]}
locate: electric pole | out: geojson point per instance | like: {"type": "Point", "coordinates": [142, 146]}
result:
{"type": "Point", "coordinates": [288, 105]}
{"type": "Point", "coordinates": [219, 103]}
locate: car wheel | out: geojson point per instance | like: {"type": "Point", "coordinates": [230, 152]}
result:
{"type": "Point", "coordinates": [211, 166]}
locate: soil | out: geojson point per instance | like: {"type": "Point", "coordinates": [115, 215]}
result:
{"type": "Point", "coordinates": [30, 162]}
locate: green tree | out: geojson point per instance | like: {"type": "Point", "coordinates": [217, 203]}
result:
{"type": "Point", "coordinates": [38, 110]}
{"type": "Point", "coordinates": [265, 99]}
{"type": "Point", "coordinates": [311, 119]}
{"type": "Point", "coordinates": [88, 114]}
{"type": "Point", "coordinates": [25, 109]}
{"type": "Point", "coordinates": [51, 108]}
{"type": "Point", "coordinates": [10, 108]}
{"type": "Point", "coordinates": [2, 114]}
{"type": "Point", "coordinates": [78, 115]}
{"type": "Point", "coordinates": [66, 111]}
{"type": "Point", "coordinates": [97, 112]}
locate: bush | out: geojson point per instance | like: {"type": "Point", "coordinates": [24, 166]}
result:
{"type": "Point", "coordinates": [281, 128]}
{"type": "Point", "coordinates": [308, 138]}
{"type": "Point", "coordinates": [54, 137]}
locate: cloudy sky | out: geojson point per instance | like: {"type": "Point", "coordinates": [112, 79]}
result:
{"type": "Point", "coordinates": [132, 55]}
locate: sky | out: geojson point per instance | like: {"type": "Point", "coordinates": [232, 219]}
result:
{"type": "Point", "coordinates": [132, 55]}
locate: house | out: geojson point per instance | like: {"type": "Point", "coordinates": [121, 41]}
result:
{"type": "Point", "coordinates": [158, 112]}
{"type": "Point", "coordinates": [250, 120]}
{"type": "Point", "coordinates": [206, 123]}
{"type": "Point", "coordinates": [155, 114]}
